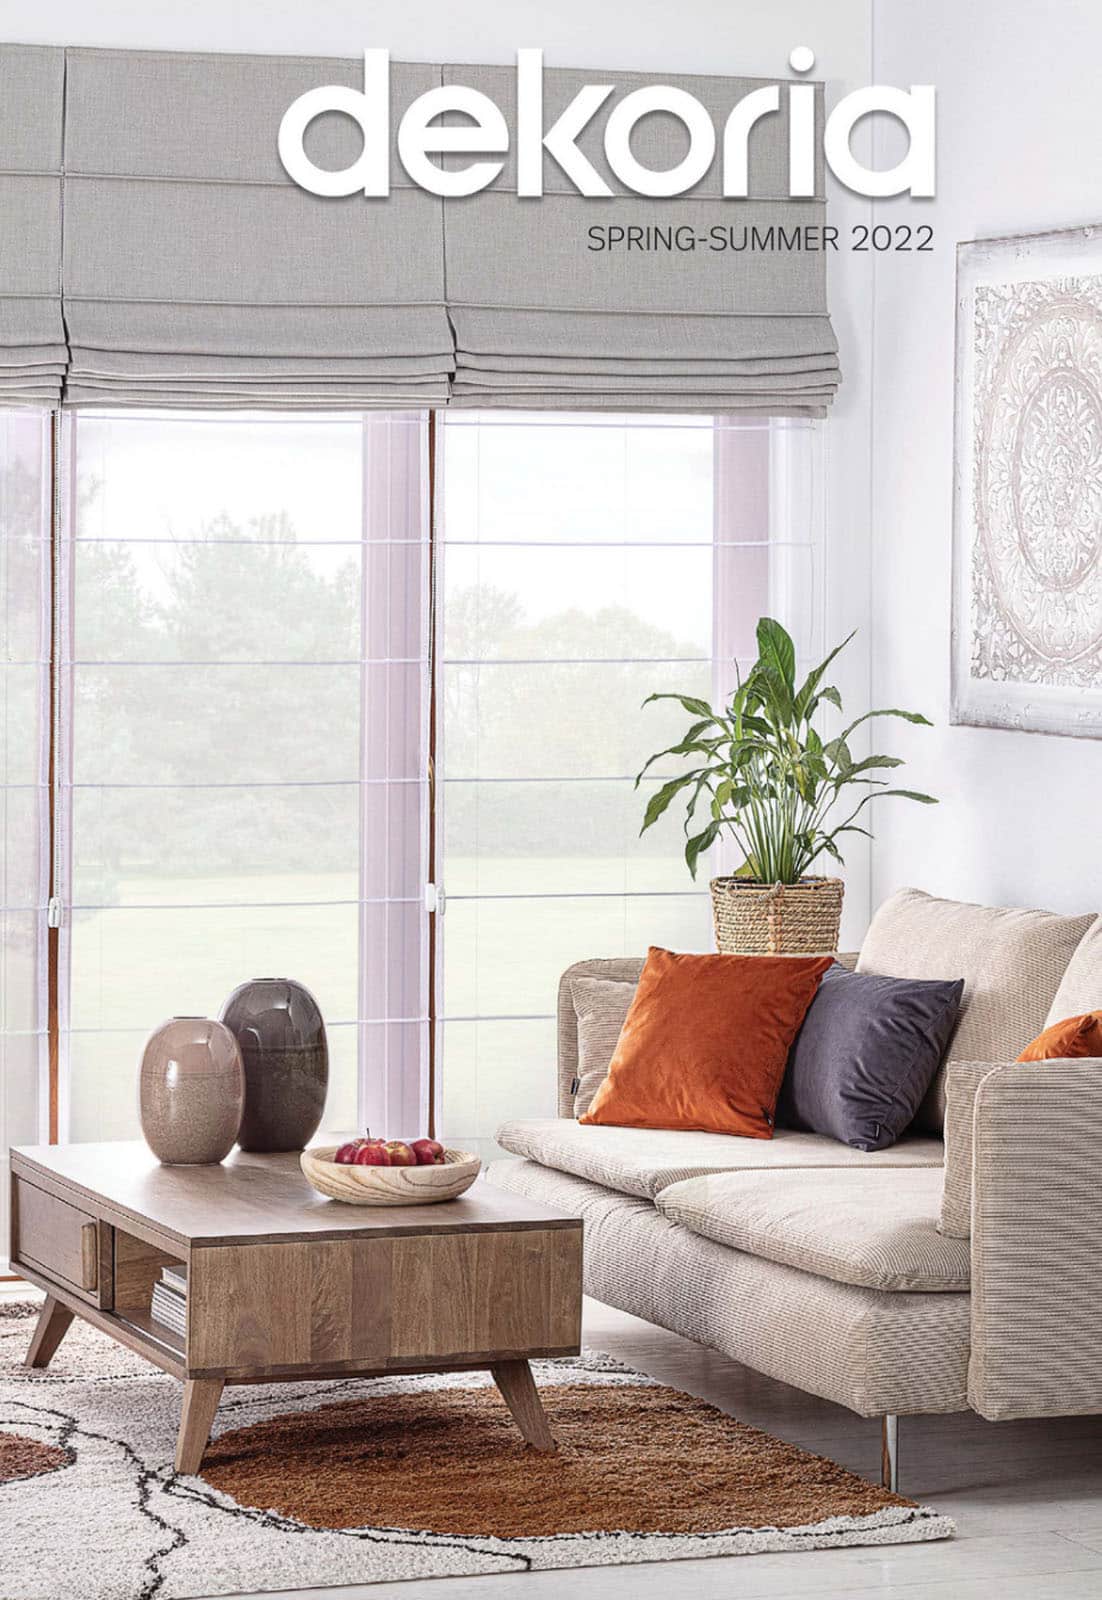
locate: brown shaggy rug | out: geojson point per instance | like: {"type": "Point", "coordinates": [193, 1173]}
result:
{"type": "Point", "coordinates": [638, 1460]}
{"type": "Point", "coordinates": [360, 1481]}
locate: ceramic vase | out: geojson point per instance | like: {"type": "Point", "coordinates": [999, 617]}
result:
{"type": "Point", "coordinates": [191, 1091]}
{"type": "Point", "coordinates": [281, 1035]}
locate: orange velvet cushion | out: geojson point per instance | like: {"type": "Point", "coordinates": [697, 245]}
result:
{"type": "Point", "coordinates": [1075, 1036]}
{"type": "Point", "coordinates": [705, 1043]}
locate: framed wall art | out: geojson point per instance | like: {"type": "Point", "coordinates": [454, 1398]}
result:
{"type": "Point", "coordinates": [1027, 558]}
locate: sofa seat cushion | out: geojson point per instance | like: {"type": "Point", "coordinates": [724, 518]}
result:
{"type": "Point", "coordinates": [873, 1352]}
{"type": "Point", "coordinates": [644, 1161]}
{"type": "Point", "coordinates": [877, 1230]}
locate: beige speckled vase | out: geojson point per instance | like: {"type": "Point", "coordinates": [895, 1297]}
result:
{"type": "Point", "coordinates": [191, 1091]}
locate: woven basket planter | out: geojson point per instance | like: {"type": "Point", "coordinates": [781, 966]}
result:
{"type": "Point", "coordinates": [787, 919]}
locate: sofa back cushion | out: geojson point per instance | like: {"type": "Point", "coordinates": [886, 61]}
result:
{"type": "Point", "coordinates": [1080, 988]}
{"type": "Point", "coordinates": [1011, 962]}
{"type": "Point", "coordinates": [600, 1007]}
{"type": "Point", "coordinates": [618, 969]}
{"type": "Point", "coordinates": [705, 1043]}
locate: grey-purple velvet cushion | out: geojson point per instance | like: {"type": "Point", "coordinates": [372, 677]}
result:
{"type": "Point", "coordinates": [866, 1054]}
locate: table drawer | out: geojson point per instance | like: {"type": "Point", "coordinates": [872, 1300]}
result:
{"type": "Point", "coordinates": [58, 1238]}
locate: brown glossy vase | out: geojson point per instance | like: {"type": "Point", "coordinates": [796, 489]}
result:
{"type": "Point", "coordinates": [191, 1091]}
{"type": "Point", "coordinates": [281, 1035]}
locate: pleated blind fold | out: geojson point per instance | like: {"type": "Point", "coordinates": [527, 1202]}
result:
{"type": "Point", "coordinates": [699, 314]}
{"type": "Point", "coordinates": [198, 274]}
{"type": "Point", "coordinates": [33, 355]}
{"type": "Point", "coordinates": [154, 252]}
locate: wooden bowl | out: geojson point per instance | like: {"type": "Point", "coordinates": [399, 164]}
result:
{"type": "Point", "coordinates": [390, 1186]}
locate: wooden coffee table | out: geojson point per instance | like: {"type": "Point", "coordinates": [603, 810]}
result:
{"type": "Point", "coordinates": [283, 1284]}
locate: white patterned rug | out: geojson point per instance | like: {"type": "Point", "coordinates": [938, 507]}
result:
{"type": "Point", "coordinates": [90, 1507]}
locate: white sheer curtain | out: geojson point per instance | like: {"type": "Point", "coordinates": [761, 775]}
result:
{"type": "Point", "coordinates": [587, 562]}
{"type": "Point", "coordinates": [394, 741]}
{"type": "Point", "coordinates": [24, 796]}
{"type": "Point", "coordinates": [244, 670]}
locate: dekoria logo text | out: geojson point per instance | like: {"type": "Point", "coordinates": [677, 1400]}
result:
{"type": "Point", "coordinates": [485, 135]}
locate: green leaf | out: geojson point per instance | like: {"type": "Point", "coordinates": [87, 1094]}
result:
{"type": "Point", "coordinates": [837, 750]}
{"type": "Point", "coordinates": [815, 677]}
{"type": "Point", "coordinates": [696, 846]}
{"type": "Point", "coordinates": [907, 716]}
{"type": "Point", "coordinates": [830, 693]}
{"type": "Point", "coordinates": [776, 651]}
{"type": "Point", "coordinates": [871, 762]}
{"type": "Point", "coordinates": [687, 747]}
{"type": "Point", "coordinates": [777, 701]}
{"type": "Point", "coordinates": [695, 707]}
{"type": "Point", "coordinates": [907, 794]}
{"type": "Point", "coordinates": [701, 783]}
{"type": "Point", "coordinates": [660, 800]}
{"type": "Point", "coordinates": [729, 798]}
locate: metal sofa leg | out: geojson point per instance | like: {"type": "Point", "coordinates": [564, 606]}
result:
{"type": "Point", "coordinates": [889, 1452]}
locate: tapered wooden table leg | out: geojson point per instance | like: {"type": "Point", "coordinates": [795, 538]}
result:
{"type": "Point", "coordinates": [201, 1397]}
{"type": "Point", "coordinates": [51, 1328]}
{"type": "Point", "coordinates": [518, 1389]}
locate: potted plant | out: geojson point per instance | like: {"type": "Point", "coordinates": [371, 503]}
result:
{"type": "Point", "coordinates": [763, 772]}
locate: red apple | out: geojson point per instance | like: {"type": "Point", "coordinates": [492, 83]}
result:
{"type": "Point", "coordinates": [373, 1153]}
{"type": "Point", "coordinates": [346, 1153]}
{"type": "Point", "coordinates": [429, 1152]}
{"type": "Point", "coordinates": [400, 1153]}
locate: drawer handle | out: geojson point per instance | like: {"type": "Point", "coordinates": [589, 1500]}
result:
{"type": "Point", "coordinates": [89, 1256]}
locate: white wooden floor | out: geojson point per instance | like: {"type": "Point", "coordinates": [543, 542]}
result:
{"type": "Point", "coordinates": [1026, 1496]}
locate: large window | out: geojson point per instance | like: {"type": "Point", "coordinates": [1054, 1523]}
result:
{"type": "Point", "coordinates": [242, 767]}
{"type": "Point", "coordinates": [586, 563]}
{"type": "Point", "coordinates": [254, 677]}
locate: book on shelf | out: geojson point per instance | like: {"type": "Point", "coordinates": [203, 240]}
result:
{"type": "Point", "coordinates": [169, 1302]}
{"type": "Point", "coordinates": [169, 1310]}
{"type": "Point", "coordinates": [175, 1277]}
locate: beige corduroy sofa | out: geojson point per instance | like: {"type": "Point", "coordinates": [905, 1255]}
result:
{"type": "Point", "coordinates": [827, 1267]}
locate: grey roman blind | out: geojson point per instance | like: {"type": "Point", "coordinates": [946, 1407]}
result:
{"type": "Point", "coordinates": [542, 321]}
{"type": "Point", "coordinates": [32, 331]}
{"type": "Point", "coordinates": [154, 252]}
{"type": "Point", "coordinates": [197, 274]}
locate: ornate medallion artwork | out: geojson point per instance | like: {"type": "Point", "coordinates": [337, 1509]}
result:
{"type": "Point", "coordinates": [1027, 600]}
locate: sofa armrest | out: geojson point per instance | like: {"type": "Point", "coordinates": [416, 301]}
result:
{"type": "Point", "coordinates": [1037, 1241]}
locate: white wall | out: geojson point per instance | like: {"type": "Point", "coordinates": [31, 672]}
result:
{"type": "Point", "coordinates": [1017, 84]}
{"type": "Point", "coordinates": [752, 37]}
